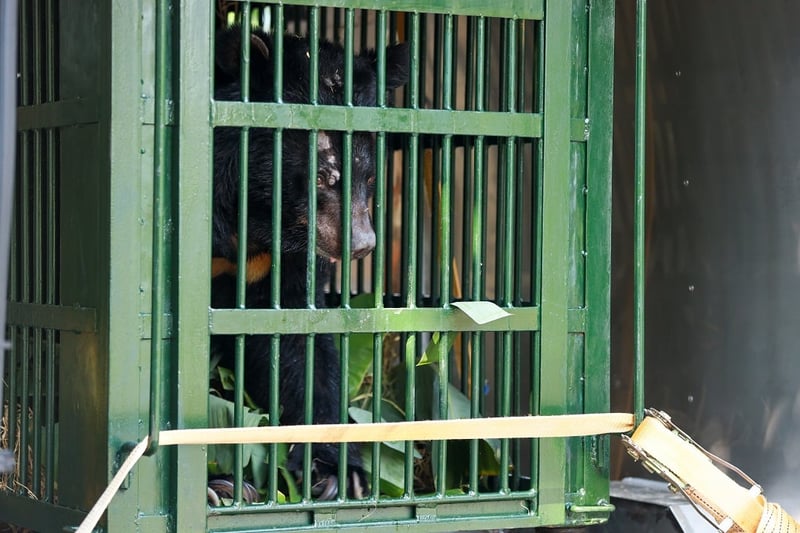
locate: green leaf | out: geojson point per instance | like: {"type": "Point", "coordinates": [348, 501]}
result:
{"type": "Point", "coordinates": [291, 483]}
{"type": "Point", "coordinates": [226, 378]}
{"type": "Point", "coordinates": [362, 416]}
{"type": "Point", "coordinates": [481, 312]}
{"type": "Point", "coordinates": [221, 456]}
{"type": "Point", "coordinates": [458, 451]}
{"type": "Point", "coordinates": [227, 381]}
{"type": "Point", "coordinates": [433, 351]}
{"type": "Point", "coordinates": [360, 362]}
{"type": "Point", "coordinates": [458, 405]}
{"type": "Point", "coordinates": [392, 469]}
{"type": "Point", "coordinates": [361, 349]}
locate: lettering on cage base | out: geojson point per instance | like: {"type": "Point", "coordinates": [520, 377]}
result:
{"type": "Point", "coordinates": [257, 267]}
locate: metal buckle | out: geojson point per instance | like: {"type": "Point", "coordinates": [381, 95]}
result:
{"type": "Point", "coordinates": [676, 484]}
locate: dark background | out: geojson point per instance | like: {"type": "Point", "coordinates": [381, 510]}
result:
{"type": "Point", "coordinates": [723, 231]}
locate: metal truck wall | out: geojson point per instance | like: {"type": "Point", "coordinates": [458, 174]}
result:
{"type": "Point", "coordinates": [723, 271]}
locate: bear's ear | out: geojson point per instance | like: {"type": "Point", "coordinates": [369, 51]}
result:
{"type": "Point", "coordinates": [229, 53]}
{"type": "Point", "coordinates": [397, 65]}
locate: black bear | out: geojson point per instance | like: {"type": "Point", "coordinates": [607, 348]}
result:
{"type": "Point", "coordinates": [295, 181]}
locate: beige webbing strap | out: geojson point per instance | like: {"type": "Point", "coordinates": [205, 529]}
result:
{"type": "Point", "coordinates": [705, 484]}
{"type": "Point", "coordinates": [776, 520]}
{"type": "Point", "coordinates": [475, 428]}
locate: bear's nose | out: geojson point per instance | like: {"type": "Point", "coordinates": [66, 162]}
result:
{"type": "Point", "coordinates": [363, 243]}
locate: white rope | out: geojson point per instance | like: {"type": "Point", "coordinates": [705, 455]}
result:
{"type": "Point", "coordinates": [102, 504]}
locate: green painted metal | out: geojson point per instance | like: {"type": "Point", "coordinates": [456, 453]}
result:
{"type": "Point", "coordinates": [241, 232]}
{"type": "Point", "coordinates": [597, 358]}
{"type": "Point", "coordinates": [194, 152]}
{"type": "Point", "coordinates": [435, 121]}
{"type": "Point", "coordinates": [57, 114]}
{"type": "Point", "coordinates": [528, 9]}
{"type": "Point", "coordinates": [161, 200]}
{"type": "Point", "coordinates": [252, 321]}
{"type": "Point", "coordinates": [277, 194]}
{"type": "Point", "coordinates": [50, 316]}
{"type": "Point", "coordinates": [639, 208]}
{"type": "Point", "coordinates": [501, 192]}
{"type": "Point", "coordinates": [553, 386]}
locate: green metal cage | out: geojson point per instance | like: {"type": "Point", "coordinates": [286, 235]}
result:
{"type": "Point", "coordinates": [493, 185]}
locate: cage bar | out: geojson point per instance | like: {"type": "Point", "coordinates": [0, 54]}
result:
{"type": "Point", "coordinates": [639, 208]}
{"type": "Point", "coordinates": [473, 175]}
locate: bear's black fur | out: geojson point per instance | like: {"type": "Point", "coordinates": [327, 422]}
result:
{"type": "Point", "coordinates": [294, 223]}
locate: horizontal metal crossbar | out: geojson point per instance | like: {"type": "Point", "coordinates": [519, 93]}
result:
{"type": "Point", "coordinates": [58, 317]}
{"type": "Point", "coordinates": [38, 515]}
{"type": "Point", "coordinates": [521, 9]}
{"type": "Point", "coordinates": [432, 121]}
{"type": "Point", "coordinates": [57, 114]}
{"type": "Point", "coordinates": [298, 321]}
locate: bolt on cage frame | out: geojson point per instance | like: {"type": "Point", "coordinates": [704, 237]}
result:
{"type": "Point", "coordinates": [547, 134]}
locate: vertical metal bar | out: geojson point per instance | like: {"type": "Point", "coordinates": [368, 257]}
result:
{"type": "Point", "coordinates": [8, 138]}
{"type": "Point", "coordinates": [478, 248]}
{"type": "Point", "coordinates": [379, 255]}
{"type": "Point", "coordinates": [38, 215]}
{"type": "Point", "coordinates": [311, 281]}
{"type": "Point", "coordinates": [639, 208]}
{"type": "Point", "coordinates": [308, 401]}
{"type": "Point", "coordinates": [241, 257]}
{"type": "Point", "coordinates": [467, 195]}
{"type": "Point", "coordinates": [468, 184]}
{"type": "Point", "coordinates": [277, 213]}
{"type": "Point", "coordinates": [411, 205]}
{"type": "Point", "coordinates": [25, 248]}
{"type": "Point", "coordinates": [509, 175]}
{"type": "Point", "coordinates": [536, 255]}
{"type": "Point", "coordinates": [461, 344]}
{"type": "Point", "coordinates": [483, 105]}
{"type": "Point", "coordinates": [411, 194]}
{"type": "Point", "coordinates": [161, 180]}
{"type": "Point", "coordinates": [346, 263]}
{"type": "Point", "coordinates": [51, 295]}
{"type": "Point", "coordinates": [500, 220]}
{"type": "Point", "coordinates": [194, 207]}
{"type": "Point", "coordinates": [432, 179]}
{"type": "Point", "coordinates": [600, 107]}
{"type": "Point", "coordinates": [313, 136]}
{"type": "Point", "coordinates": [347, 167]}
{"type": "Point", "coordinates": [389, 214]}
{"type": "Point", "coordinates": [379, 202]}
{"type": "Point", "coordinates": [519, 215]}
{"type": "Point", "coordinates": [445, 200]}
{"type": "Point", "coordinates": [421, 162]}
{"type": "Point", "coordinates": [554, 246]}
{"type": "Point", "coordinates": [519, 197]}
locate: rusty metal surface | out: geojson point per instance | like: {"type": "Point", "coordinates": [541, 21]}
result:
{"type": "Point", "coordinates": [723, 271]}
